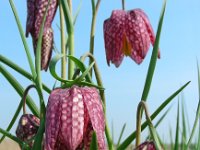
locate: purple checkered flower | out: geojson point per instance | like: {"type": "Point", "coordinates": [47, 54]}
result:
{"type": "Point", "coordinates": [35, 13]}
{"type": "Point", "coordinates": [127, 33]}
{"type": "Point", "coordinates": [72, 116]}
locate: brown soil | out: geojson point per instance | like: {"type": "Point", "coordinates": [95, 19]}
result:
{"type": "Point", "coordinates": [8, 144]}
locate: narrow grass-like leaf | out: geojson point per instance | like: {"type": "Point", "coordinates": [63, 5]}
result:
{"type": "Point", "coordinates": [131, 137]}
{"type": "Point", "coordinates": [160, 120]}
{"type": "Point", "coordinates": [162, 117]}
{"type": "Point", "coordinates": [198, 143]}
{"type": "Point", "coordinates": [197, 117]}
{"type": "Point", "coordinates": [94, 143]}
{"type": "Point", "coordinates": [14, 138]}
{"type": "Point", "coordinates": [19, 89]}
{"type": "Point", "coordinates": [39, 136]}
{"type": "Point", "coordinates": [154, 55]}
{"type": "Point", "coordinates": [13, 119]}
{"type": "Point", "coordinates": [171, 138]}
{"type": "Point", "coordinates": [85, 73]}
{"type": "Point", "coordinates": [77, 12]}
{"type": "Point", "coordinates": [81, 66]}
{"type": "Point", "coordinates": [21, 71]}
{"type": "Point", "coordinates": [176, 144]}
{"type": "Point", "coordinates": [184, 132]}
{"type": "Point", "coordinates": [52, 68]}
{"type": "Point", "coordinates": [23, 38]}
{"type": "Point", "coordinates": [121, 133]}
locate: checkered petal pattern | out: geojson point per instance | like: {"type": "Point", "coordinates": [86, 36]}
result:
{"type": "Point", "coordinates": [127, 33]}
{"type": "Point", "coordinates": [72, 114]}
{"type": "Point", "coordinates": [35, 13]}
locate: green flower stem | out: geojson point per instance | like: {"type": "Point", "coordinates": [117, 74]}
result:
{"type": "Point", "coordinates": [93, 25]}
{"type": "Point", "coordinates": [142, 105]}
{"type": "Point", "coordinates": [71, 44]}
{"type": "Point", "coordinates": [71, 65]}
{"type": "Point", "coordinates": [25, 95]}
{"type": "Point", "coordinates": [70, 30]}
{"type": "Point", "coordinates": [102, 94]}
{"type": "Point", "coordinates": [70, 5]}
{"type": "Point", "coordinates": [123, 4]}
{"type": "Point", "coordinates": [63, 42]}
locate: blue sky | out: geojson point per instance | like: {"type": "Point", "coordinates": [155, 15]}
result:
{"type": "Point", "coordinates": [179, 51]}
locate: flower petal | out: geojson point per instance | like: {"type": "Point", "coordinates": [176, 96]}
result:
{"type": "Point", "coordinates": [93, 103]}
{"type": "Point", "coordinates": [52, 124]}
{"type": "Point", "coordinates": [137, 35]}
{"type": "Point", "coordinates": [113, 36]}
{"type": "Point", "coordinates": [30, 16]}
{"type": "Point", "coordinates": [41, 6]}
{"type": "Point", "coordinates": [72, 118]}
{"type": "Point", "coordinates": [148, 26]}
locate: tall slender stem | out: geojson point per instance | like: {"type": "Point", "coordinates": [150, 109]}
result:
{"type": "Point", "coordinates": [70, 5]}
{"type": "Point", "coordinates": [63, 48]}
{"type": "Point", "coordinates": [71, 43]}
{"type": "Point", "coordinates": [123, 4]}
{"type": "Point", "coordinates": [92, 32]}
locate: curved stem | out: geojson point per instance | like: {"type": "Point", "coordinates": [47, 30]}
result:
{"type": "Point", "coordinates": [142, 105]}
{"type": "Point", "coordinates": [25, 95]}
{"type": "Point", "coordinates": [63, 48]}
{"type": "Point", "coordinates": [92, 32]}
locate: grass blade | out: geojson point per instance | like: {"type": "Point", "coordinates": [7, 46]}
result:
{"type": "Point", "coordinates": [20, 71]}
{"type": "Point", "coordinates": [19, 89]}
{"type": "Point", "coordinates": [121, 133]}
{"type": "Point", "coordinates": [131, 137]}
{"type": "Point", "coordinates": [176, 146]}
{"type": "Point", "coordinates": [184, 134]}
{"type": "Point", "coordinates": [13, 119]}
{"type": "Point", "coordinates": [197, 117]}
{"type": "Point", "coordinates": [154, 55]}
{"type": "Point", "coordinates": [162, 117]}
{"type": "Point", "coordinates": [23, 38]}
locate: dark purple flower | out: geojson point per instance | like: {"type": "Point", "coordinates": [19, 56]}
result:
{"type": "Point", "coordinates": [36, 11]}
{"type": "Point", "coordinates": [72, 116]}
{"type": "Point", "coordinates": [148, 145]}
{"type": "Point", "coordinates": [127, 33]}
{"type": "Point", "coordinates": [27, 128]}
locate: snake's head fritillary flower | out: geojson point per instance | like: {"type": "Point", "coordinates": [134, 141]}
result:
{"type": "Point", "coordinates": [71, 117]}
{"type": "Point", "coordinates": [127, 33]}
{"type": "Point", "coordinates": [27, 128]}
{"type": "Point", "coordinates": [148, 145]}
{"type": "Point", "coordinates": [35, 14]}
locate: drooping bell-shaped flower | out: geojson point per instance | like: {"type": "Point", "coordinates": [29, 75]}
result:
{"type": "Point", "coordinates": [27, 128]}
{"type": "Point", "coordinates": [35, 14]}
{"type": "Point", "coordinates": [148, 145]}
{"type": "Point", "coordinates": [127, 33]}
{"type": "Point", "coordinates": [71, 117]}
